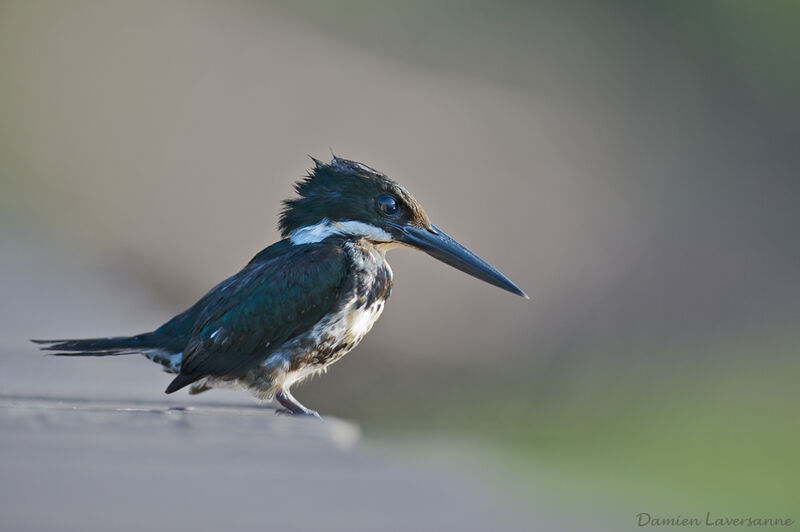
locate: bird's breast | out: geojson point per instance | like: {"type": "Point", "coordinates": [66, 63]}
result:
{"type": "Point", "coordinates": [359, 305]}
{"type": "Point", "coordinates": [358, 322]}
{"type": "Point", "coordinates": [361, 300]}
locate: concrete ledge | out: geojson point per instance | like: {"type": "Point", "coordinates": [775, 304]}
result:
{"type": "Point", "coordinates": [63, 414]}
{"type": "Point", "coordinates": [87, 465]}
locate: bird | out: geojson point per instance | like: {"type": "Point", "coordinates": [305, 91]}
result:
{"type": "Point", "coordinates": [302, 303]}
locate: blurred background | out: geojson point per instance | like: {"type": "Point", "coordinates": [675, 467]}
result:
{"type": "Point", "coordinates": [633, 166]}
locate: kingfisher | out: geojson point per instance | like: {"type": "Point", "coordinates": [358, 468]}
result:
{"type": "Point", "coordinates": [305, 301]}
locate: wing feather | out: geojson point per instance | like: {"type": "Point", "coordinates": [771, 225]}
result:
{"type": "Point", "coordinates": [249, 315]}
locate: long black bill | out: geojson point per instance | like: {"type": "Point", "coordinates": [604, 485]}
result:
{"type": "Point", "coordinates": [437, 244]}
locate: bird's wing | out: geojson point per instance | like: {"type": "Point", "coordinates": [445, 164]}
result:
{"type": "Point", "coordinates": [241, 320]}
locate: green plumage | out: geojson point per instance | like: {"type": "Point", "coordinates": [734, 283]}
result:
{"type": "Point", "coordinates": [280, 294]}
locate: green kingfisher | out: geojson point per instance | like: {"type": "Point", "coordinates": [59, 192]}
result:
{"type": "Point", "coordinates": [304, 302]}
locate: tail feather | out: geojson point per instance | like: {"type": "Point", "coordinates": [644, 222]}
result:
{"type": "Point", "coordinates": [97, 347]}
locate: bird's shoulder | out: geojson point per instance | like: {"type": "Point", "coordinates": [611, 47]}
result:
{"type": "Point", "coordinates": [275, 287]}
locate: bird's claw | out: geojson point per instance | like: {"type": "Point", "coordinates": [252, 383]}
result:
{"type": "Point", "coordinates": [307, 413]}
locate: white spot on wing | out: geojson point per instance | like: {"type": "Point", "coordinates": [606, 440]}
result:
{"type": "Point", "coordinates": [170, 361]}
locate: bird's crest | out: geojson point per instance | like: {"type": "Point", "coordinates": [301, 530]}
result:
{"type": "Point", "coordinates": [341, 190]}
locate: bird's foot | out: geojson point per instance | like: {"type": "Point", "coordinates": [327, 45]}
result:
{"type": "Point", "coordinates": [291, 406]}
{"type": "Point", "coordinates": [306, 413]}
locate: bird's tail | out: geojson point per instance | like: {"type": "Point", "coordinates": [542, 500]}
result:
{"type": "Point", "coordinates": [98, 347]}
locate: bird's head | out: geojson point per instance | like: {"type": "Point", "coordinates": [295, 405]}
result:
{"type": "Point", "coordinates": [350, 199]}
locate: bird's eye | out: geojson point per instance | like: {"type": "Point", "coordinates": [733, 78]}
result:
{"type": "Point", "coordinates": [387, 204]}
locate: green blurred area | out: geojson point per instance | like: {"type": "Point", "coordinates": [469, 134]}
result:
{"type": "Point", "coordinates": [632, 165]}
{"type": "Point", "coordinates": [714, 432]}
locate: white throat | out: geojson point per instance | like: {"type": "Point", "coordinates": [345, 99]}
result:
{"type": "Point", "coordinates": [325, 228]}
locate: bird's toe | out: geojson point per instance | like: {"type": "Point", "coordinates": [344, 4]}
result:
{"type": "Point", "coordinates": [307, 413]}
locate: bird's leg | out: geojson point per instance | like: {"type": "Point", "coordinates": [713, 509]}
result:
{"type": "Point", "coordinates": [292, 406]}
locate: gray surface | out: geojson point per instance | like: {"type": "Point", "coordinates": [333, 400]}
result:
{"type": "Point", "coordinates": [135, 466]}
{"type": "Point", "coordinates": [93, 444]}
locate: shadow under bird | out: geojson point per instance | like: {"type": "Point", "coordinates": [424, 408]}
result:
{"type": "Point", "coordinates": [302, 303]}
